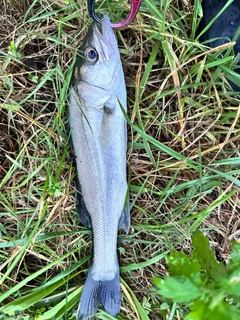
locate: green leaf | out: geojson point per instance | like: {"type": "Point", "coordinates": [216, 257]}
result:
{"type": "Point", "coordinates": [180, 290]}
{"type": "Point", "coordinates": [181, 265]}
{"type": "Point", "coordinates": [231, 284]}
{"type": "Point", "coordinates": [202, 310]}
{"type": "Point", "coordinates": [206, 257]}
{"type": "Point", "coordinates": [199, 307]}
{"type": "Point", "coordinates": [235, 257]}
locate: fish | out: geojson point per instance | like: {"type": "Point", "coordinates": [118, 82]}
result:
{"type": "Point", "coordinates": [98, 132]}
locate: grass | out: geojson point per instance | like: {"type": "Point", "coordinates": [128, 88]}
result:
{"type": "Point", "coordinates": [183, 154]}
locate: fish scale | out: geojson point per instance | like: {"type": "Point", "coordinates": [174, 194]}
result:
{"type": "Point", "coordinates": [98, 134]}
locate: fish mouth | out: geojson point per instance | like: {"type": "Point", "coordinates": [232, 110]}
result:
{"type": "Point", "coordinates": [103, 30]}
{"type": "Point", "coordinates": [104, 39]}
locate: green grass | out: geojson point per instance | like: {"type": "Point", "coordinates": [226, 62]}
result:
{"type": "Point", "coordinates": [183, 155]}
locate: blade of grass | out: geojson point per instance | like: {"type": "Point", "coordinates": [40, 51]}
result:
{"type": "Point", "coordinates": [61, 309]}
{"type": "Point", "coordinates": [141, 311]}
{"type": "Point", "coordinates": [41, 292]}
{"type": "Point", "coordinates": [215, 18]}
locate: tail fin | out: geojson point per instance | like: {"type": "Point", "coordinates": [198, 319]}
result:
{"type": "Point", "coordinates": [95, 293]}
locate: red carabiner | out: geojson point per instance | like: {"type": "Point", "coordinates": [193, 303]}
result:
{"type": "Point", "coordinates": [135, 4]}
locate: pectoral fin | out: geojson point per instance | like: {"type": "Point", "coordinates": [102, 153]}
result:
{"type": "Point", "coordinates": [125, 220]}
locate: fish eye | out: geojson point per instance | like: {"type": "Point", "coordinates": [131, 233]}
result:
{"type": "Point", "coordinates": [91, 54]}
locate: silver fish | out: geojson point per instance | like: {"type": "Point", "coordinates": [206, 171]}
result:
{"type": "Point", "coordinates": [99, 139]}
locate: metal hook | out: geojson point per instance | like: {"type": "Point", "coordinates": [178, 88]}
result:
{"type": "Point", "coordinates": [135, 4]}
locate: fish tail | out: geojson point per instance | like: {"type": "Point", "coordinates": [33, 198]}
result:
{"type": "Point", "coordinates": [98, 292]}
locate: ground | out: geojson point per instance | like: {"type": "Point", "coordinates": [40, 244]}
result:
{"type": "Point", "coordinates": [183, 154]}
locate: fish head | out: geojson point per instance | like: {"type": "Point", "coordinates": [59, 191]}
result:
{"type": "Point", "coordinates": [98, 68]}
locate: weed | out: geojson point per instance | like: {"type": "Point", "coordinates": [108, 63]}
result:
{"type": "Point", "coordinates": [209, 288]}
